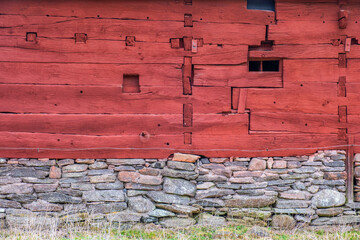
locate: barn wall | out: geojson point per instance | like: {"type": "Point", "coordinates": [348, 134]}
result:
{"type": "Point", "coordinates": [147, 79]}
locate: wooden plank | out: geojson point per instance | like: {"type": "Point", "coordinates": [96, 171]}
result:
{"type": "Point", "coordinates": [300, 51]}
{"type": "Point", "coordinates": [89, 124]}
{"type": "Point", "coordinates": [144, 31]}
{"type": "Point", "coordinates": [34, 145]}
{"type": "Point", "coordinates": [304, 32]}
{"type": "Point", "coordinates": [89, 74]}
{"type": "Point", "coordinates": [220, 124]}
{"type": "Point", "coordinates": [264, 144]}
{"type": "Point", "coordinates": [122, 124]}
{"type": "Point", "coordinates": [352, 99]}
{"type": "Point", "coordinates": [242, 100]}
{"type": "Point", "coordinates": [353, 123]}
{"type": "Point", "coordinates": [313, 70]}
{"type": "Point", "coordinates": [212, 11]}
{"type": "Point", "coordinates": [353, 70]}
{"type": "Point", "coordinates": [187, 75]}
{"type": "Point", "coordinates": [106, 51]}
{"type": "Point", "coordinates": [308, 97]}
{"type": "Point", "coordinates": [188, 115]}
{"type": "Point", "coordinates": [234, 76]}
{"type": "Point", "coordinates": [293, 122]}
{"type": "Point", "coordinates": [341, 88]}
{"type": "Point", "coordinates": [90, 99]}
{"type": "Point", "coordinates": [307, 11]}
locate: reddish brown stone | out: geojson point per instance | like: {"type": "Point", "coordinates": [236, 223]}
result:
{"type": "Point", "coordinates": [181, 157]}
{"type": "Point", "coordinates": [257, 164]}
{"type": "Point", "coordinates": [218, 160]}
{"type": "Point", "coordinates": [55, 172]}
{"type": "Point", "coordinates": [46, 187]}
{"type": "Point", "coordinates": [126, 176]}
{"type": "Point", "coordinates": [85, 161]}
{"type": "Point", "coordinates": [335, 175]}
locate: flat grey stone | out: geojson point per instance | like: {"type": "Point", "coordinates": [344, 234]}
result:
{"type": "Point", "coordinates": [140, 204]}
{"type": "Point", "coordinates": [104, 196]}
{"type": "Point", "coordinates": [161, 197]}
{"type": "Point", "coordinates": [328, 198]}
{"type": "Point", "coordinates": [179, 187]}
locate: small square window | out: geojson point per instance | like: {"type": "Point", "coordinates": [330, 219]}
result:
{"type": "Point", "coordinates": [264, 65]}
{"type": "Point", "coordinates": [266, 5]}
{"type": "Point", "coordinates": [270, 66]}
{"type": "Point", "coordinates": [131, 83]}
{"type": "Point", "coordinates": [254, 66]}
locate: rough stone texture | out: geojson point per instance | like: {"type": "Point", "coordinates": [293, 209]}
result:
{"type": "Point", "coordinates": [179, 187]}
{"type": "Point", "coordinates": [75, 168]}
{"type": "Point", "coordinates": [55, 172]}
{"type": "Point", "coordinates": [160, 197]}
{"type": "Point", "coordinates": [205, 219]}
{"type": "Point", "coordinates": [181, 165]}
{"type": "Point", "coordinates": [283, 222]}
{"type": "Point", "coordinates": [125, 161]}
{"type": "Point", "coordinates": [250, 201]}
{"type": "Point", "coordinates": [175, 222]}
{"type": "Point", "coordinates": [9, 204]}
{"type": "Point", "coordinates": [104, 196]}
{"type": "Point", "coordinates": [188, 175]}
{"type": "Point", "coordinates": [257, 165]}
{"type": "Point", "coordinates": [57, 197]}
{"type": "Point", "coordinates": [102, 178]}
{"type": "Point", "coordinates": [18, 188]}
{"type": "Point", "coordinates": [328, 198]}
{"type": "Point", "coordinates": [160, 213]}
{"type": "Point", "coordinates": [180, 157]}
{"type": "Point", "coordinates": [43, 206]}
{"type": "Point", "coordinates": [141, 204]}
{"type": "Point", "coordinates": [329, 212]}
{"type": "Point", "coordinates": [98, 165]}
{"type": "Point", "coordinates": [279, 191]}
{"type": "Point", "coordinates": [213, 193]}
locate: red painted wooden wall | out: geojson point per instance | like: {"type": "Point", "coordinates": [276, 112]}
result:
{"type": "Point", "coordinates": [86, 78]}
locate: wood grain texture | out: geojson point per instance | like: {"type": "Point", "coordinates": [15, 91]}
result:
{"type": "Point", "coordinates": [62, 65]}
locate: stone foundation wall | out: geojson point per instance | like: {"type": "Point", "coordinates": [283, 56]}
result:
{"type": "Point", "coordinates": [181, 191]}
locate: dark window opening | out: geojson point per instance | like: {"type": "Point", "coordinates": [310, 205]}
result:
{"type": "Point", "coordinates": [271, 66]}
{"type": "Point", "coordinates": [264, 66]}
{"type": "Point", "coordinates": [131, 83]}
{"type": "Point", "coordinates": [254, 66]}
{"type": "Point", "coordinates": [267, 5]}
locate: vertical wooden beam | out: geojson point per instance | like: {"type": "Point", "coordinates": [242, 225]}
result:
{"type": "Point", "coordinates": [187, 76]}
{"type": "Point", "coordinates": [341, 91]}
{"type": "Point", "coordinates": [342, 60]}
{"type": "Point", "coordinates": [188, 20]}
{"type": "Point", "coordinates": [350, 169]}
{"type": "Point", "coordinates": [342, 114]}
{"type": "Point", "coordinates": [187, 43]}
{"type": "Point", "coordinates": [242, 100]}
{"type": "Point", "coordinates": [342, 134]}
{"type": "Point", "coordinates": [187, 114]}
{"type": "Point", "coordinates": [188, 138]}
{"type": "Point", "coordinates": [235, 94]}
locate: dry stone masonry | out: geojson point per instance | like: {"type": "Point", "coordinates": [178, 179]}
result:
{"type": "Point", "coordinates": [181, 191]}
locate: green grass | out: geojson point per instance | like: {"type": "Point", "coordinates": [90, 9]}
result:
{"type": "Point", "coordinates": [195, 233]}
